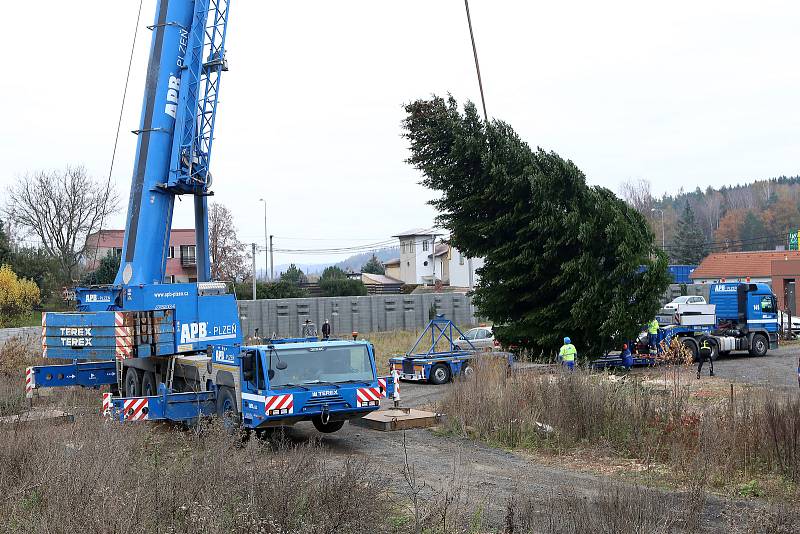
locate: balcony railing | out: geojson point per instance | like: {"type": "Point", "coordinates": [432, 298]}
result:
{"type": "Point", "coordinates": [189, 261]}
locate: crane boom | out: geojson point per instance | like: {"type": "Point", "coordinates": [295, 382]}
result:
{"type": "Point", "coordinates": [187, 56]}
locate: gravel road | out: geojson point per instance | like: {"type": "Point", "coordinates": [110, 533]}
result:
{"type": "Point", "coordinates": [778, 369]}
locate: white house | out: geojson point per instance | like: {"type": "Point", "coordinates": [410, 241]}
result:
{"type": "Point", "coordinates": [425, 258]}
{"type": "Point", "coordinates": [462, 269]}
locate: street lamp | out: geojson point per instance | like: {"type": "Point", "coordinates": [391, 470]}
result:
{"type": "Point", "coordinates": [266, 242]}
{"type": "Point", "coordinates": [663, 236]}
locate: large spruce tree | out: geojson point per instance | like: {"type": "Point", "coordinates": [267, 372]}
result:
{"type": "Point", "coordinates": [561, 258]}
{"type": "Point", "coordinates": [689, 243]}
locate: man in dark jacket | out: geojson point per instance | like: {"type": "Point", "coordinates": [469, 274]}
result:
{"type": "Point", "coordinates": [707, 344]}
{"type": "Point", "coordinates": [326, 330]}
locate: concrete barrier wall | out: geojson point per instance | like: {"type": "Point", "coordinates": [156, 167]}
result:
{"type": "Point", "coordinates": [373, 313]}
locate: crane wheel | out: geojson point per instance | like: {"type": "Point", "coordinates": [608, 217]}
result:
{"type": "Point", "coordinates": [440, 374]}
{"type": "Point", "coordinates": [149, 387]}
{"type": "Point", "coordinates": [327, 428]}
{"type": "Point", "coordinates": [227, 410]}
{"type": "Point", "coordinates": [133, 383]}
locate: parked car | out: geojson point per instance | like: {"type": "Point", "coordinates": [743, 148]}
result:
{"type": "Point", "coordinates": [783, 318]}
{"type": "Point", "coordinates": [684, 300]}
{"type": "Point", "coordinates": [481, 337]}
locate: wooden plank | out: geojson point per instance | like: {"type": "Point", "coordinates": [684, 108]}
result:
{"type": "Point", "coordinates": [38, 416]}
{"type": "Point", "coordinates": [397, 419]}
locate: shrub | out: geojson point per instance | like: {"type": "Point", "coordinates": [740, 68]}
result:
{"type": "Point", "coordinates": [17, 296]}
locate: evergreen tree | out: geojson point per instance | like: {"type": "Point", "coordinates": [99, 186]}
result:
{"type": "Point", "coordinates": [689, 243]}
{"type": "Point", "coordinates": [753, 233]}
{"type": "Point", "coordinates": [105, 273]}
{"type": "Point", "coordinates": [294, 275]}
{"type": "Point", "coordinates": [561, 258]}
{"type": "Point", "coordinates": [5, 246]}
{"type": "Point", "coordinates": [373, 266]}
{"type": "Point", "coordinates": [332, 272]}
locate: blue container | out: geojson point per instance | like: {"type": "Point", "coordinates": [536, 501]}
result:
{"type": "Point", "coordinates": [680, 273]}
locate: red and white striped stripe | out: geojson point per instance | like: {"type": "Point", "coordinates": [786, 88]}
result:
{"type": "Point", "coordinates": [44, 335]}
{"type": "Point", "coordinates": [382, 386]}
{"type": "Point", "coordinates": [122, 336]}
{"type": "Point", "coordinates": [30, 382]}
{"type": "Point", "coordinates": [135, 409]}
{"type": "Point", "coordinates": [364, 396]}
{"type": "Point", "coordinates": [279, 402]}
{"type": "Point", "coordinates": [106, 404]}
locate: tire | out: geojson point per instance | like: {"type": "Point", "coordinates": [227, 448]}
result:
{"type": "Point", "coordinates": [725, 353]}
{"type": "Point", "coordinates": [467, 371]}
{"type": "Point", "coordinates": [327, 428]}
{"type": "Point", "coordinates": [440, 374]}
{"type": "Point", "coordinates": [227, 410]}
{"type": "Point", "coordinates": [132, 383]}
{"type": "Point", "coordinates": [714, 352]}
{"type": "Point", "coordinates": [760, 345]}
{"type": "Point", "coordinates": [149, 387]}
{"type": "Point", "coordinates": [691, 346]}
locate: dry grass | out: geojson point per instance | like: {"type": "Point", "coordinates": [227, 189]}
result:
{"type": "Point", "coordinates": [750, 446]}
{"type": "Point", "coordinates": [94, 476]}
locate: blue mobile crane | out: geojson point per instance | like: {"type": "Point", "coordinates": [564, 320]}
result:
{"type": "Point", "coordinates": [174, 351]}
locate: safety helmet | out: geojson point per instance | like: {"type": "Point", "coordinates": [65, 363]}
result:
{"type": "Point", "coordinates": [624, 346]}
{"type": "Point", "coordinates": [567, 341]}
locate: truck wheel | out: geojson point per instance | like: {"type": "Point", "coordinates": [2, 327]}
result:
{"type": "Point", "coordinates": [149, 387]}
{"type": "Point", "coordinates": [467, 371]}
{"type": "Point", "coordinates": [440, 374]}
{"type": "Point", "coordinates": [691, 346]}
{"type": "Point", "coordinates": [760, 345]}
{"type": "Point", "coordinates": [227, 410]}
{"type": "Point", "coordinates": [327, 428]}
{"type": "Point", "coordinates": [133, 383]}
{"type": "Point", "coordinates": [714, 353]}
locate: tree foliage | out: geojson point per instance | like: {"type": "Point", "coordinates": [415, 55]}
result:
{"type": "Point", "coordinates": [37, 265]}
{"type": "Point", "coordinates": [18, 296]}
{"type": "Point", "coordinates": [690, 243]}
{"type": "Point", "coordinates": [561, 258]}
{"type": "Point", "coordinates": [105, 272]}
{"type": "Point", "coordinates": [229, 257]}
{"type": "Point", "coordinates": [271, 290]}
{"type": "Point", "coordinates": [752, 232]}
{"type": "Point", "coordinates": [373, 266]}
{"type": "Point", "coordinates": [294, 275]}
{"type": "Point", "coordinates": [61, 208]}
{"type": "Point", "coordinates": [5, 245]}
{"type": "Point", "coordinates": [333, 273]}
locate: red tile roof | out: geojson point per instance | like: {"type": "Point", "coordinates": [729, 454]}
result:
{"type": "Point", "coordinates": [740, 264]}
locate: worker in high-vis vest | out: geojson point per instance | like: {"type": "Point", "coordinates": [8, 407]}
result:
{"type": "Point", "coordinates": [567, 354]}
{"type": "Point", "coordinates": [706, 354]}
{"type": "Point", "coordinates": [652, 333]}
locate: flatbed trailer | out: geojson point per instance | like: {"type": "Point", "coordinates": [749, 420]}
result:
{"type": "Point", "coordinates": [439, 366]}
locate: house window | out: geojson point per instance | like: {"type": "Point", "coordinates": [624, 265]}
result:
{"type": "Point", "coordinates": [424, 245]}
{"type": "Point", "coordinates": [403, 247]}
{"type": "Point", "coordinates": [116, 252]}
{"type": "Point", "coordinates": [188, 255]}
{"type": "Point", "coordinates": [169, 279]}
{"type": "Point", "coordinates": [460, 258]}
{"type": "Point", "coordinates": [170, 253]}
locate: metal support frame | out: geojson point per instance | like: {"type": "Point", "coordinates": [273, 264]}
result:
{"type": "Point", "coordinates": [438, 327]}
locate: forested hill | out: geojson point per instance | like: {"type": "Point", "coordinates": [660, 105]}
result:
{"type": "Point", "coordinates": [755, 216]}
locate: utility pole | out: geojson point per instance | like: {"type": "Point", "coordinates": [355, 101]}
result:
{"type": "Point", "coordinates": [266, 245]}
{"type": "Point", "coordinates": [271, 260]}
{"type": "Point", "coordinates": [254, 271]}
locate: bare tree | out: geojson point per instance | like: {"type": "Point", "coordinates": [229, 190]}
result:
{"type": "Point", "coordinates": [638, 194]}
{"type": "Point", "coordinates": [61, 208]}
{"type": "Point", "coordinates": [709, 210]}
{"type": "Point", "coordinates": [228, 255]}
{"type": "Point", "coordinates": [740, 198]}
{"type": "Point", "coordinates": [764, 190]}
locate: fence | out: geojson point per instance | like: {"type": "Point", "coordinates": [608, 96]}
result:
{"type": "Point", "coordinates": [8, 333]}
{"type": "Point", "coordinates": [373, 313]}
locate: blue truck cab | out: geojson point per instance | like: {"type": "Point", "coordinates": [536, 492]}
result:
{"type": "Point", "coordinates": [268, 385]}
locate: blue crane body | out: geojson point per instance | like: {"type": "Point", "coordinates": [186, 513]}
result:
{"type": "Point", "coordinates": [174, 351]}
{"type": "Point", "coordinates": [744, 319]}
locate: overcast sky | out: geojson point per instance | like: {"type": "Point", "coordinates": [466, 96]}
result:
{"type": "Point", "coordinates": [683, 93]}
